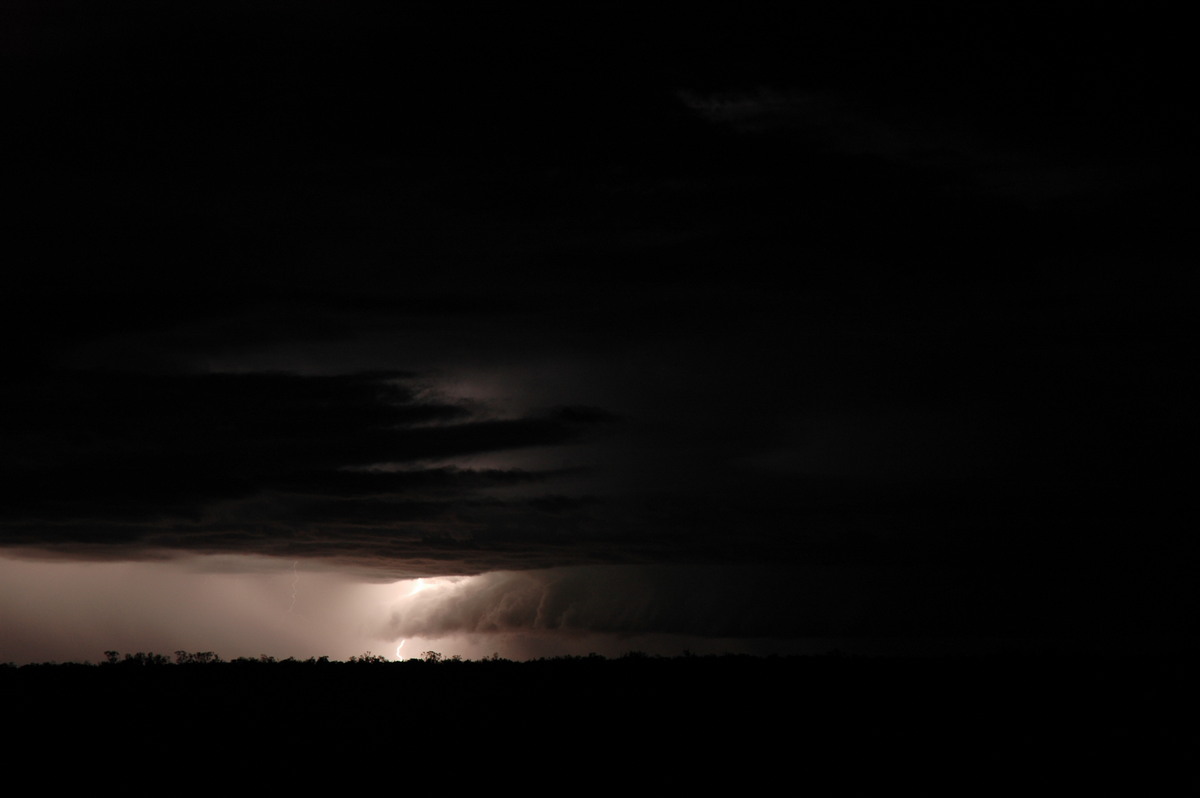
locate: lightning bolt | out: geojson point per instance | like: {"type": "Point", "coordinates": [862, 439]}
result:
{"type": "Point", "coordinates": [398, 657]}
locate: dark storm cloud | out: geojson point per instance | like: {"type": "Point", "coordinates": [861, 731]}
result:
{"type": "Point", "coordinates": [182, 460]}
{"type": "Point", "coordinates": [856, 286]}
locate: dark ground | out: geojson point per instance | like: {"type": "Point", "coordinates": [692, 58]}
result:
{"type": "Point", "coordinates": [661, 724]}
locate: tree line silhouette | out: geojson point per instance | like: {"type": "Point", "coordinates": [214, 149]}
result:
{"type": "Point", "coordinates": [687, 721]}
{"type": "Point", "coordinates": [181, 657]}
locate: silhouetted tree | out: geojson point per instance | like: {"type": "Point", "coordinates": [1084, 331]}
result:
{"type": "Point", "coordinates": [146, 659]}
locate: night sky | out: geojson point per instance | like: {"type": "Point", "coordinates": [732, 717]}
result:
{"type": "Point", "coordinates": [772, 328]}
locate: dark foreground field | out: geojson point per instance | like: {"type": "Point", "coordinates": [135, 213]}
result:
{"type": "Point", "coordinates": [636, 723]}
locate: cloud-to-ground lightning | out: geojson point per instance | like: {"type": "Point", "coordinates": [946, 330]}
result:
{"type": "Point", "coordinates": [398, 657]}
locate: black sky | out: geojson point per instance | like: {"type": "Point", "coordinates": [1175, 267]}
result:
{"type": "Point", "coordinates": [874, 316]}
